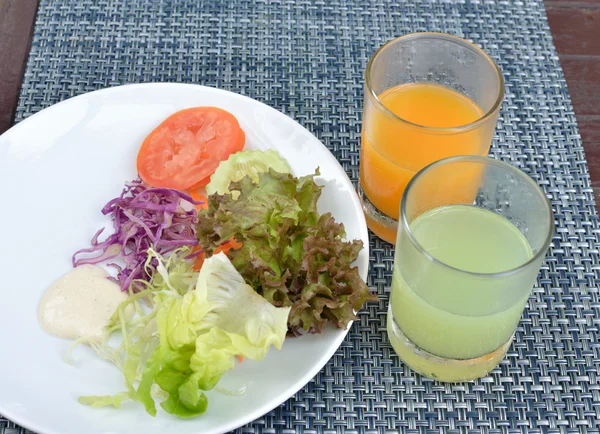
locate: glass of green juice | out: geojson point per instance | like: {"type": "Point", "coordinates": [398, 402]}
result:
{"type": "Point", "coordinates": [472, 235]}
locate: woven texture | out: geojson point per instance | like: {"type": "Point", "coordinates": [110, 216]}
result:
{"type": "Point", "coordinates": [307, 59]}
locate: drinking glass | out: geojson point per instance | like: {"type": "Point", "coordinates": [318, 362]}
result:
{"type": "Point", "coordinates": [420, 90]}
{"type": "Point", "coordinates": [472, 235]}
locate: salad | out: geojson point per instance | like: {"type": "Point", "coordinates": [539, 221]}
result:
{"type": "Point", "coordinates": [220, 253]}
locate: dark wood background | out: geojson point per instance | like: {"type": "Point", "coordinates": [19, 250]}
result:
{"type": "Point", "coordinates": [575, 26]}
{"type": "Point", "coordinates": [16, 27]}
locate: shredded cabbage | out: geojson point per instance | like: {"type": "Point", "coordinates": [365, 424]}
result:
{"type": "Point", "coordinates": [143, 218]}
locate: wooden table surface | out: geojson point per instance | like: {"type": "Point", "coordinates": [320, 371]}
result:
{"type": "Point", "coordinates": [575, 26]}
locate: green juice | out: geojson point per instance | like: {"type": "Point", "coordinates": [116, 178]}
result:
{"type": "Point", "coordinates": [455, 323]}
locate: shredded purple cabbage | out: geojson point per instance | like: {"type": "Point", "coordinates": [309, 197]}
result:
{"type": "Point", "coordinates": [143, 217]}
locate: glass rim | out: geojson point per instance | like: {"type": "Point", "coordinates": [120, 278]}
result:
{"type": "Point", "coordinates": [486, 161]}
{"type": "Point", "coordinates": [446, 37]}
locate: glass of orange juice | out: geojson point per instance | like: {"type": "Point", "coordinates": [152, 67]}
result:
{"type": "Point", "coordinates": [428, 96]}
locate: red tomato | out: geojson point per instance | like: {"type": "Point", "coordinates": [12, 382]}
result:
{"type": "Point", "coordinates": [186, 148]}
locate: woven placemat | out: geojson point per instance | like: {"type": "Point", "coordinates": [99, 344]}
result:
{"type": "Point", "coordinates": [307, 59]}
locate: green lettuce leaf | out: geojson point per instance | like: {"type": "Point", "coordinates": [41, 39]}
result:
{"type": "Point", "coordinates": [240, 319]}
{"type": "Point", "coordinates": [207, 327]}
{"type": "Point", "coordinates": [190, 337]}
{"type": "Point", "coordinates": [245, 163]}
{"type": "Point", "coordinates": [291, 255]}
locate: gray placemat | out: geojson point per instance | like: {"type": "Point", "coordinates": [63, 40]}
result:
{"type": "Point", "coordinates": [307, 60]}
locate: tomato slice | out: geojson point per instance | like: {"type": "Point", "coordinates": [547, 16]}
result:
{"type": "Point", "coordinates": [186, 148]}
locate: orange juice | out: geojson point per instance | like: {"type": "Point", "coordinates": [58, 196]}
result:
{"type": "Point", "coordinates": [425, 127]}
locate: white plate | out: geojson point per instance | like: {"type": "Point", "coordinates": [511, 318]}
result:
{"type": "Point", "coordinates": [57, 169]}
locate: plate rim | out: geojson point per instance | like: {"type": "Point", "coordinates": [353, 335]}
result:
{"type": "Point", "coordinates": [361, 263]}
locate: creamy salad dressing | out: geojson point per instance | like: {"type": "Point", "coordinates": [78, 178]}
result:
{"type": "Point", "coordinates": [80, 303]}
